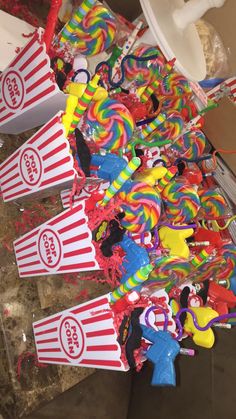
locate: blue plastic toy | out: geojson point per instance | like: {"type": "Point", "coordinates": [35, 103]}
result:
{"type": "Point", "coordinates": [136, 257]}
{"type": "Point", "coordinates": [109, 168]}
{"type": "Point", "coordinates": [162, 354]}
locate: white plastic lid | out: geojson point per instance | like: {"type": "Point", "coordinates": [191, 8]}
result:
{"type": "Point", "coordinates": [171, 28]}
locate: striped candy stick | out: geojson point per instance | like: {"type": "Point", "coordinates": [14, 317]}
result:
{"type": "Point", "coordinates": [149, 128]}
{"type": "Point", "coordinates": [166, 179]}
{"type": "Point", "coordinates": [124, 175]}
{"type": "Point", "coordinates": [84, 101]}
{"type": "Point", "coordinates": [154, 86]}
{"type": "Point", "coordinates": [76, 19]}
{"type": "Point", "coordinates": [137, 279]}
{"type": "Point", "coordinates": [149, 91]}
{"type": "Point", "coordinates": [202, 257]}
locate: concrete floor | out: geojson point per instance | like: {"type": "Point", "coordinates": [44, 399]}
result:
{"type": "Point", "coordinates": [205, 390]}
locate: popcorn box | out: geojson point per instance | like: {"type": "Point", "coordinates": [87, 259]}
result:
{"type": "Point", "coordinates": [60, 245]}
{"type": "Point", "coordinates": [93, 185]}
{"type": "Point", "coordinates": [83, 335]}
{"type": "Point", "coordinates": [40, 166]}
{"type": "Point", "coordinates": [226, 88]}
{"type": "Point", "coordinates": [29, 95]}
{"type": "Point", "coordinates": [14, 34]}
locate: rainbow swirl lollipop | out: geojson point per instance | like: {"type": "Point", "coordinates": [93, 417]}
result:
{"type": "Point", "coordinates": [96, 32]}
{"type": "Point", "coordinates": [213, 205]}
{"type": "Point", "coordinates": [228, 270]}
{"type": "Point", "coordinates": [174, 84]}
{"type": "Point", "coordinates": [168, 270]}
{"type": "Point", "coordinates": [142, 207]}
{"type": "Point", "coordinates": [208, 269]}
{"type": "Point", "coordinates": [174, 103]}
{"type": "Point", "coordinates": [144, 72]}
{"type": "Point", "coordinates": [109, 123]}
{"type": "Point", "coordinates": [171, 128]}
{"type": "Point", "coordinates": [191, 145]}
{"type": "Point", "coordinates": [181, 202]}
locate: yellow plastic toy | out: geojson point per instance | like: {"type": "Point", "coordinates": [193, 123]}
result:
{"type": "Point", "coordinates": [150, 176]}
{"type": "Point", "coordinates": [68, 116]}
{"type": "Point", "coordinates": [77, 89]}
{"type": "Point", "coordinates": [174, 240]}
{"type": "Point", "coordinates": [206, 338]}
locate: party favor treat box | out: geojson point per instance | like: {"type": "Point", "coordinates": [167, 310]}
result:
{"type": "Point", "coordinates": [41, 166]}
{"type": "Point", "coordinates": [29, 95]}
{"type": "Point", "coordinates": [61, 245]}
{"type": "Point", "coordinates": [14, 34]}
{"type": "Point", "coordinates": [83, 335]}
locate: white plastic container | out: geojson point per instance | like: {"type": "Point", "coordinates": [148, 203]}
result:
{"type": "Point", "coordinates": [60, 245]}
{"type": "Point", "coordinates": [29, 95]}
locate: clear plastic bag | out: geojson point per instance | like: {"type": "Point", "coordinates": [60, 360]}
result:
{"type": "Point", "coordinates": [216, 54]}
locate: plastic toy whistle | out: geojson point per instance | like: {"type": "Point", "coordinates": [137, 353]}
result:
{"type": "Point", "coordinates": [220, 299]}
{"type": "Point", "coordinates": [205, 338]}
{"type": "Point", "coordinates": [174, 240]}
{"type": "Point", "coordinates": [150, 176]}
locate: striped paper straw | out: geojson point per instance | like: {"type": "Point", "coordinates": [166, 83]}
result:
{"type": "Point", "coordinates": [166, 179]}
{"type": "Point", "coordinates": [84, 101]}
{"type": "Point", "coordinates": [199, 259]}
{"type": "Point", "coordinates": [149, 91]}
{"type": "Point", "coordinates": [124, 175]}
{"type": "Point", "coordinates": [148, 129]}
{"type": "Point", "coordinates": [76, 19]}
{"type": "Point", "coordinates": [137, 279]}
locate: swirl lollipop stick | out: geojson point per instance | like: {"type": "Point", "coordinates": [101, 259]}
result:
{"type": "Point", "coordinates": [124, 175]}
{"type": "Point", "coordinates": [109, 123]}
{"type": "Point", "coordinates": [84, 101]}
{"type": "Point", "coordinates": [137, 279]}
{"type": "Point", "coordinates": [152, 126]}
{"type": "Point", "coordinates": [144, 71]}
{"type": "Point", "coordinates": [77, 18]}
{"type": "Point", "coordinates": [96, 32]}
{"type": "Point", "coordinates": [202, 257]}
{"type": "Point", "coordinates": [166, 178]}
{"type": "Point", "coordinates": [142, 207]}
{"type": "Point", "coordinates": [213, 204]}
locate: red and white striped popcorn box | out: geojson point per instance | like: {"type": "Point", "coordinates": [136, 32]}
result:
{"type": "Point", "coordinates": [93, 185]}
{"type": "Point", "coordinates": [83, 335]}
{"type": "Point", "coordinates": [60, 245]}
{"type": "Point", "coordinates": [226, 88]}
{"type": "Point", "coordinates": [29, 95]}
{"type": "Point", "coordinates": [14, 33]}
{"type": "Point", "coordinates": [42, 165]}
